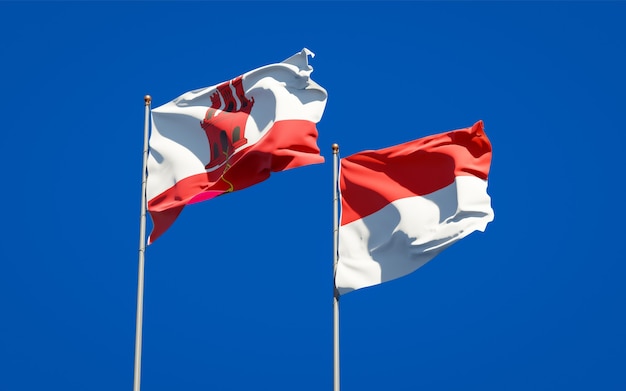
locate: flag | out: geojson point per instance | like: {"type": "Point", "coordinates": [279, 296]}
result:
{"type": "Point", "coordinates": [224, 138]}
{"type": "Point", "coordinates": [403, 205]}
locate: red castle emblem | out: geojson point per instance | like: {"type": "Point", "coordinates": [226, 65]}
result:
{"type": "Point", "coordinates": [225, 121]}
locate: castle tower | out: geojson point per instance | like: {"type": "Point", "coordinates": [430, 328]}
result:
{"type": "Point", "coordinates": [225, 121]}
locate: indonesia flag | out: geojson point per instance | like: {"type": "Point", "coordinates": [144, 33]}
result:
{"type": "Point", "coordinates": [230, 136]}
{"type": "Point", "coordinates": [403, 205]}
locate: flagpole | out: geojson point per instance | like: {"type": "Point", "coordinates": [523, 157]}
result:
{"type": "Point", "coordinates": [335, 257]}
{"type": "Point", "coordinates": [142, 249]}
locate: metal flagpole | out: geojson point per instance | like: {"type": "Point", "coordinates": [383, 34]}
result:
{"type": "Point", "coordinates": [142, 248]}
{"type": "Point", "coordinates": [335, 255]}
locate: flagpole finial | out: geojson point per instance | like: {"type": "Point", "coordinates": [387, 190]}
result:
{"type": "Point", "coordinates": [335, 148]}
{"type": "Point", "coordinates": [147, 99]}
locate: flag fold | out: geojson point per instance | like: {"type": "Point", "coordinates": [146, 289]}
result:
{"type": "Point", "coordinates": [401, 206]}
{"type": "Point", "coordinates": [230, 136]}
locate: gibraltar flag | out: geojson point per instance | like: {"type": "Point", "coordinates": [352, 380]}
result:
{"type": "Point", "coordinates": [227, 137]}
{"type": "Point", "coordinates": [403, 205]}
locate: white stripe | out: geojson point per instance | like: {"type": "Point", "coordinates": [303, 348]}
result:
{"type": "Point", "coordinates": [409, 232]}
{"type": "Point", "coordinates": [178, 145]}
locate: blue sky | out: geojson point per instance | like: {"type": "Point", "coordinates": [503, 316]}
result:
{"type": "Point", "coordinates": [238, 293]}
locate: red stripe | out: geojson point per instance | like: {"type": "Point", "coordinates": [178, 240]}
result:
{"type": "Point", "coordinates": [287, 144]}
{"type": "Point", "coordinates": [370, 180]}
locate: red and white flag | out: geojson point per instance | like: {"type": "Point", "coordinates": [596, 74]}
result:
{"type": "Point", "coordinates": [227, 137]}
{"type": "Point", "coordinates": [403, 205]}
